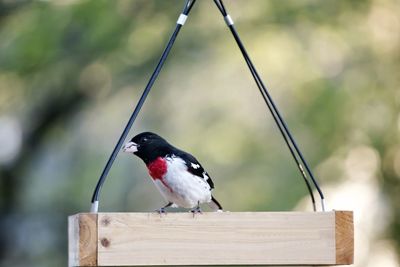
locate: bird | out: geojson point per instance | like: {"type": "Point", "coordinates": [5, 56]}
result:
{"type": "Point", "coordinates": [178, 175]}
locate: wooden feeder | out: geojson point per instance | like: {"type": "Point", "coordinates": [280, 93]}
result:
{"type": "Point", "coordinates": [215, 238]}
{"type": "Point", "coordinates": [211, 238]}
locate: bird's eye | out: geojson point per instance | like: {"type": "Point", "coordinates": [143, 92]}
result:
{"type": "Point", "coordinates": [144, 139]}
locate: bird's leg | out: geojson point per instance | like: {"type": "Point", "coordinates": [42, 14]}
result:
{"type": "Point", "coordinates": [162, 209]}
{"type": "Point", "coordinates": [196, 209]}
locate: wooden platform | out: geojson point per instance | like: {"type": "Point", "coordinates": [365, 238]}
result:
{"type": "Point", "coordinates": [229, 238]}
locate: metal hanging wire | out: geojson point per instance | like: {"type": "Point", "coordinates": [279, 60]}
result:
{"type": "Point", "coordinates": [280, 122]}
{"type": "Point", "coordinates": [180, 22]}
{"type": "Point", "coordinates": [289, 140]}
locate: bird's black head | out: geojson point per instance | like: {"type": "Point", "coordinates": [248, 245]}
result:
{"type": "Point", "coordinates": [148, 146]}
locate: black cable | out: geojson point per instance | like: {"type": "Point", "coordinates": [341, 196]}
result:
{"type": "Point", "coordinates": [266, 96]}
{"type": "Point", "coordinates": [188, 6]}
{"type": "Point", "coordinates": [286, 141]}
{"type": "Point", "coordinates": [281, 129]}
{"type": "Point", "coordinates": [273, 109]}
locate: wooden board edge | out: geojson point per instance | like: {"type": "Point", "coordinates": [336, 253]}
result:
{"type": "Point", "coordinates": [344, 237]}
{"type": "Point", "coordinates": [82, 243]}
{"type": "Point", "coordinates": [88, 239]}
{"type": "Point", "coordinates": [73, 240]}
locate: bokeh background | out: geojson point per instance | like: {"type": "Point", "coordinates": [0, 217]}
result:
{"type": "Point", "coordinates": [72, 71]}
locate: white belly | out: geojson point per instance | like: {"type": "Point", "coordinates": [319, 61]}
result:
{"type": "Point", "coordinates": [181, 187]}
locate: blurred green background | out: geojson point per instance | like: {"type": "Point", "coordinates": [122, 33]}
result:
{"type": "Point", "coordinates": [72, 71]}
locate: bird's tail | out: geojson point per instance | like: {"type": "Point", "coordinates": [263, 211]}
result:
{"type": "Point", "coordinates": [214, 204]}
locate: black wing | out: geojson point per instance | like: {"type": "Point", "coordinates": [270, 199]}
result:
{"type": "Point", "coordinates": [194, 167]}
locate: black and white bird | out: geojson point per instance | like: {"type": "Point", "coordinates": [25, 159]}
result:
{"type": "Point", "coordinates": [178, 175]}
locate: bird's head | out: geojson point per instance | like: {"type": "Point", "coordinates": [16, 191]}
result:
{"type": "Point", "coordinates": [147, 146]}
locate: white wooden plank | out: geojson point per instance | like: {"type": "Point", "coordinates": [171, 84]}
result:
{"type": "Point", "coordinates": [244, 238]}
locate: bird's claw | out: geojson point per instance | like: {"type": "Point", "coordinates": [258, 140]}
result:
{"type": "Point", "coordinates": [161, 211]}
{"type": "Point", "coordinates": [195, 211]}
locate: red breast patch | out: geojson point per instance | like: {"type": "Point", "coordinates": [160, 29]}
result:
{"type": "Point", "coordinates": [157, 168]}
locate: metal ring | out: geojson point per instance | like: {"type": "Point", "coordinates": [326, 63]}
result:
{"type": "Point", "coordinates": [228, 20]}
{"type": "Point", "coordinates": [182, 19]}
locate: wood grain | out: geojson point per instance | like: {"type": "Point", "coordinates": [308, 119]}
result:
{"type": "Point", "coordinates": [237, 238]}
{"type": "Point", "coordinates": [344, 237]}
{"type": "Point", "coordinates": [82, 241]}
{"type": "Point", "coordinates": [245, 238]}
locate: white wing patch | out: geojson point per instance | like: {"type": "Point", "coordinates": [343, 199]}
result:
{"type": "Point", "coordinates": [205, 176]}
{"type": "Point", "coordinates": [195, 166]}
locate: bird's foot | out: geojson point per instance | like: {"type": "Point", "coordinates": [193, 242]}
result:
{"type": "Point", "coordinates": [161, 211]}
{"type": "Point", "coordinates": [196, 210]}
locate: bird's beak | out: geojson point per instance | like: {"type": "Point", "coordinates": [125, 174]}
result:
{"type": "Point", "coordinates": [130, 147]}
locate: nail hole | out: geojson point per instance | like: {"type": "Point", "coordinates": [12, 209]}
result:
{"type": "Point", "coordinates": [105, 242]}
